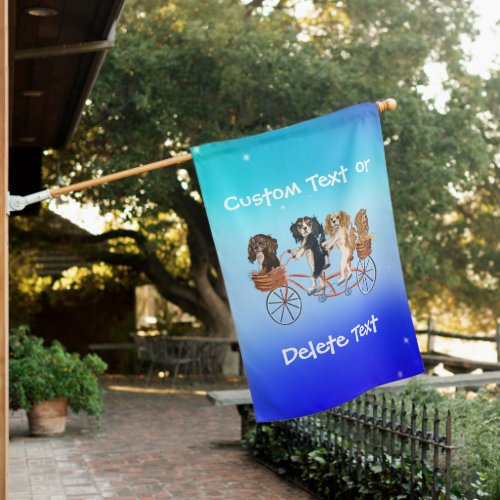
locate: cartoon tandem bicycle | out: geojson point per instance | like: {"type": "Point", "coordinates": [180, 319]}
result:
{"type": "Point", "coordinates": [283, 302]}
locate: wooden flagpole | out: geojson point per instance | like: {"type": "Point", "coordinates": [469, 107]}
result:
{"type": "Point", "coordinates": [4, 249]}
{"type": "Point", "coordinates": [120, 175]}
{"type": "Point", "coordinates": [387, 105]}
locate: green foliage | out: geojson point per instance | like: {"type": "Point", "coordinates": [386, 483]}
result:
{"type": "Point", "coordinates": [38, 373]}
{"type": "Point", "coordinates": [25, 286]}
{"type": "Point", "coordinates": [475, 465]}
{"type": "Point", "coordinates": [189, 72]}
{"type": "Point", "coordinates": [421, 394]}
{"type": "Point", "coordinates": [476, 434]}
{"type": "Point", "coordinates": [333, 473]}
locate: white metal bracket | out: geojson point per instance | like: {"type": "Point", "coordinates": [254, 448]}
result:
{"type": "Point", "coordinates": [16, 203]}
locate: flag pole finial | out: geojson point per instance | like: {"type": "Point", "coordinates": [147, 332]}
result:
{"type": "Point", "coordinates": [387, 105]}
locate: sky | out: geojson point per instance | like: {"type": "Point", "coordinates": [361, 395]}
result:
{"type": "Point", "coordinates": [484, 52]}
{"type": "Point", "coordinates": [486, 48]}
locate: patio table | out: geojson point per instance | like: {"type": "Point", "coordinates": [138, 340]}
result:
{"type": "Point", "coordinates": [203, 351]}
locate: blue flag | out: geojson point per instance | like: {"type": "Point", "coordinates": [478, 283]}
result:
{"type": "Point", "coordinates": [304, 229]}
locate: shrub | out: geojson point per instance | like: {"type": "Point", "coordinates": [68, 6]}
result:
{"type": "Point", "coordinates": [38, 373]}
{"type": "Point", "coordinates": [475, 465]}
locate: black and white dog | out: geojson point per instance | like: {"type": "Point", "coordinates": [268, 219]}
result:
{"type": "Point", "coordinates": [310, 234]}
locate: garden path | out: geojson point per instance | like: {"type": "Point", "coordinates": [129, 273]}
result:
{"type": "Point", "coordinates": [153, 443]}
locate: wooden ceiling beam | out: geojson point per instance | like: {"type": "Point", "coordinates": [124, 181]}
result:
{"type": "Point", "coordinates": [64, 50]}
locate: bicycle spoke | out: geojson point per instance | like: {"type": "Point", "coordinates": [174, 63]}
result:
{"type": "Point", "coordinates": [367, 285]}
{"type": "Point", "coordinates": [277, 309]}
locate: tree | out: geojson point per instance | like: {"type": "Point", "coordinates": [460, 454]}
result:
{"type": "Point", "coordinates": [188, 72]}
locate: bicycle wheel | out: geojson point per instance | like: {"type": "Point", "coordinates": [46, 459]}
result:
{"type": "Point", "coordinates": [284, 305]}
{"type": "Point", "coordinates": [366, 274]}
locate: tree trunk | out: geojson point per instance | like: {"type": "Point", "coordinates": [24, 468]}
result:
{"type": "Point", "coordinates": [201, 301]}
{"type": "Point", "coordinates": [221, 322]}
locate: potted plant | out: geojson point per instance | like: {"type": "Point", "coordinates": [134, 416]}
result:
{"type": "Point", "coordinates": [45, 380]}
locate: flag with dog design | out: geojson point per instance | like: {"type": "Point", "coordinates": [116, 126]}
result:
{"type": "Point", "coordinates": [303, 225]}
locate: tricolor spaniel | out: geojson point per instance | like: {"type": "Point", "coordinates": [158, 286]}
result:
{"type": "Point", "coordinates": [342, 235]}
{"type": "Point", "coordinates": [310, 234]}
{"type": "Point", "coordinates": [263, 248]}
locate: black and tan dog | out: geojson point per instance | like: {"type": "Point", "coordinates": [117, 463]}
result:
{"type": "Point", "coordinates": [310, 234]}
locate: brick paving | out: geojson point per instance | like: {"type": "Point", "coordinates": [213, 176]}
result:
{"type": "Point", "coordinates": [163, 444]}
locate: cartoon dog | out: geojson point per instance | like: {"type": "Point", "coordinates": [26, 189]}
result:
{"type": "Point", "coordinates": [342, 235]}
{"type": "Point", "coordinates": [361, 223]}
{"type": "Point", "coordinates": [310, 234]}
{"type": "Point", "coordinates": [263, 248]}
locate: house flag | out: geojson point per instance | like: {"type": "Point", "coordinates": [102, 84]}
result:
{"type": "Point", "coordinates": [303, 225]}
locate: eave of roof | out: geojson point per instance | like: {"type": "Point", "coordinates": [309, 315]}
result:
{"type": "Point", "coordinates": [60, 56]}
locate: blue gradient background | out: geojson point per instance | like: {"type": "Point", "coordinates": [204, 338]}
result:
{"type": "Point", "coordinates": [274, 160]}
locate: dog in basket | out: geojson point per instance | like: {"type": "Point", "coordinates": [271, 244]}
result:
{"type": "Point", "coordinates": [342, 236]}
{"type": "Point", "coordinates": [262, 248]}
{"type": "Point", "coordinates": [310, 234]}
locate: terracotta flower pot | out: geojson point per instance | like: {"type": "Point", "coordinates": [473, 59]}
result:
{"type": "Point", "coordinates": [48, 417]}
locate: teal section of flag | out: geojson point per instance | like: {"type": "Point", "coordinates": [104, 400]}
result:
{"type": "Point", "coordinates": [304, 230]}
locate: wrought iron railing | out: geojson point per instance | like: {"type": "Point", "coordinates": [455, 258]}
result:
{"type": "Point", "coordinates": [369, 440]}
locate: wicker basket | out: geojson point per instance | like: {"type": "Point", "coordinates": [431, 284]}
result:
{"type": "Point", "coordinates": [271, 280]}
{"type": "Point", "coordinates": [364, 248]}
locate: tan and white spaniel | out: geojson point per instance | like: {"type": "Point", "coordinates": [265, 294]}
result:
{"type": "Point", "coordinates": [341, 235]}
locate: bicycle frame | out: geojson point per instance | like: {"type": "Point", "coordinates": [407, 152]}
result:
{"type": "Point", "coordinates": [326, 280]}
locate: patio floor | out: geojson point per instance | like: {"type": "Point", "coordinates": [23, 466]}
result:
{"type": "Point", "coordinates": [152, 443]}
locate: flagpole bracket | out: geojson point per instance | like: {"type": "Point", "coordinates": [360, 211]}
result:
{"type": "Point", "coordinates": [16, 203]}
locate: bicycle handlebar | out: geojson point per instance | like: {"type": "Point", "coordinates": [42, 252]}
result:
{"type": "Point", "coordinates": [284, 264]}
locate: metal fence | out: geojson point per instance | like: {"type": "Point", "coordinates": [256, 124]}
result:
{"type": "Point", "coordinates": [372, 439]}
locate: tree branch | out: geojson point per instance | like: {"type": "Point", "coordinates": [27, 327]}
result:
{"type": "Point", "coordinates": [135, 261]}
{"type": "Point", "coordinates": [118, 233]}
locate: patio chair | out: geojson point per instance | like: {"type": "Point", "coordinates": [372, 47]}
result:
{"type": "Point", "coordinates": [143, 350]}
{"type": "Point", "coordinates": [157, 351]}
{"type": "Point", "coordinates": [174, 356]}
{"type": "Point", "coordinates": [212, 358]}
